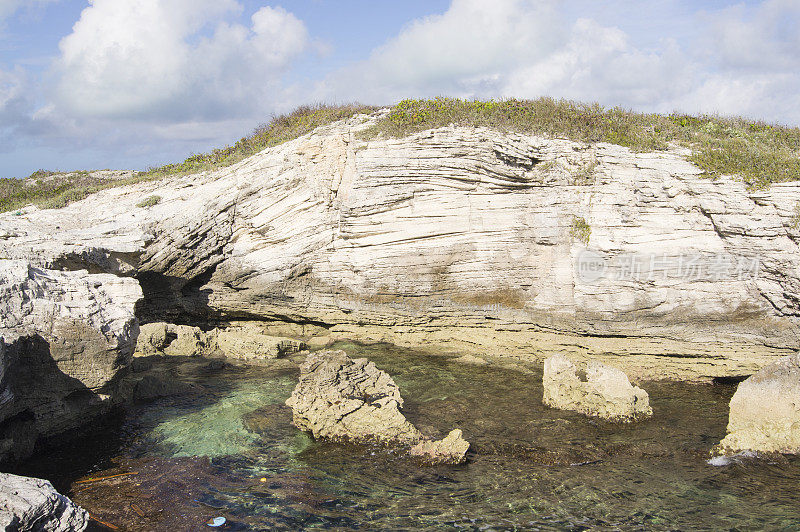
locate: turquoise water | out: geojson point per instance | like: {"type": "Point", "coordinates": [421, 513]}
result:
{"type": "Point", "coordinates": [230, 450]}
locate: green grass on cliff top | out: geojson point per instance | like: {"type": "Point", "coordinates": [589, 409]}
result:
{"type": "Point", "coordinates": [758, 153]}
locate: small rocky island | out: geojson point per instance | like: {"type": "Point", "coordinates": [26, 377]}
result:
{"type": "Point", "coordinates": [534, 261]}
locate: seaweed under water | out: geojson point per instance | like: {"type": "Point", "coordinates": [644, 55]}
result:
{"type": "Point", "coordinates": [229, 450]}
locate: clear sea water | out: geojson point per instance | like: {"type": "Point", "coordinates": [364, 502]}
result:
{"type": "Point", "coordinates": [229, 450]}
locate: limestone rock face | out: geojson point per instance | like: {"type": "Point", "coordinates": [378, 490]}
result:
{"type": "Point", "coordinates": [63, 337]}
{"type": "Point", "coordinates": [451, 450]}
{"type": "Point", "coordinates": [342, 399]}
{"type": "Point", "coordinates": [765, 411]}
{"type": "Point", "coordinates": [460, 239]}
{"type": "Point", "coordinates": [607, 393]}
{"type": "Point", "coordinates": [30, 504]}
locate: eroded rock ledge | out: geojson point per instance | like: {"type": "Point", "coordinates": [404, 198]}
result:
{"type": "Point", "coordinates": [441, 240]}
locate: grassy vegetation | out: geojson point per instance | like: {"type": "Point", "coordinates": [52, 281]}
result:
{"type": "Point", "coordinates": [757, 152]}
{"type": "Point", "coordinates": [149, 201]}
{"type": "Point", "coordinates": [281, 129]}
{"type": "Point", "coordinates": [52, 190]}
{"type": "Point", "coordinates": [581, 230]}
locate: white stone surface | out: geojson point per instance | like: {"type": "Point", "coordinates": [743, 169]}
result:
{"type": "Point", "coordinates": [33, 504]}
{"type": "Point", "coordinates": [765, 411]}
{"type": "Point", "coordinates": [419, 240]}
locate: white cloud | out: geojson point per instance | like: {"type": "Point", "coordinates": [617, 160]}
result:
{"type": "Point", "coordinates": [746, 62]}
{"type": "Point", "coordinates": [160, 59]}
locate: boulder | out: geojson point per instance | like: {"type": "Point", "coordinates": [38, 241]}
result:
{"type": "Point", "coordinates": [247, 343]}
{"type": "Point", "coordinates": [765, 411]}
{"type": "Point", "coordinates": [152, 339]}
{"type": "Point", "coordinates": [342, 399]}
{"type": "Point", "coordinates": [606, 393]}
{"type": "Point", "coordinates": [30, 504]}
{"type": "Point", "coordinates": [185, 341]}
{"type": "Point", "coordinates": [452, 449]}
{"type": "Point", "coordinates": [63, 338]}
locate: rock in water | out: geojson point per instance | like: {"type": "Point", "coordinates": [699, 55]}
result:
{"type": "Point", "coordinates": [452, 450]}
{"type": "Point", "coordinates": [244, 343]}
{"type": "Point", "coordinates": [607, 393]}
{"type": "Point", "coordinates": [765, 411]}
{"type": "Point", "coordinates": [33, 504]}
{"type": "Point", "coordinates": [342, 399]}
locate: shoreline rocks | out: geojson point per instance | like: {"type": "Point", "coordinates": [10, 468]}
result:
{"type": "Point", "coordinates": [345, 400]}
{"type": "Point", "coordinates": [319, 232]}
{"type": "Point", "coordinates": [342, 399]}
{"type": "Point", "coordinates": [765, 411]}
{"type": "Point", "coordinates": [64, 337]}
{"type": "Point", "coordinates": [450, 450]}
{"type": "Point", "coordinates": [31, 504]}
{"type": "Point", "coordinates": [606, 393]}
{"type": "Point", "coordinates": [239, 342]}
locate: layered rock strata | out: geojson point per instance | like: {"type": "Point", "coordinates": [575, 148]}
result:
{"type": "Point", "coordinates": [765, 411]}
{"type": "Point", "coordinates": [63, 338]}
{"type": "Point", "coordinates": [238, 342]}
{"type": "Point", "coordinates": [461, 240]}
{"type": "Point", "coordinates": [606, 393]}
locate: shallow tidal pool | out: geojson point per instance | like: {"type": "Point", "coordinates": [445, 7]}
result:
{"type": "Point", "coordinates": [229, 450]}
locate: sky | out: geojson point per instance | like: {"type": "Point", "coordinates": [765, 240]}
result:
{"type": "Point", "coordinates": [129, 84]}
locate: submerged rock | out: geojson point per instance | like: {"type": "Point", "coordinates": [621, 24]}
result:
{"type": "Point", "coordinates": [607, 393]}
{"type": "Point", "coordinates": [765, 411]}
{"type": "Point", "coordinates": [452, 449]}
{"type": "Point", "coordinates": [342, 399]}
{"type": "Point", "coordinates": [33, 504]}
{"type": "Point", "coordinates": [152, 387]}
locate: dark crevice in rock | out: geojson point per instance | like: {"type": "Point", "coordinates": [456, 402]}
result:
{"type": "Point", "coordinates": [174, 300]}
{"type": "Point", "coordinates": [729, 381]}
{"type": "Point", "coordinates": [517, 161]}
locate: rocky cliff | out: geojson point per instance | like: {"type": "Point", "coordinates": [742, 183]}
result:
{"type": "Point", "coordinates": [456, 239]}
{"type": "Point", "coordinates": [63, 338]}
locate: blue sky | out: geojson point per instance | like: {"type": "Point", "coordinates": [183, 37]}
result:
{"type": "Point", "coordinates": [135, 83]}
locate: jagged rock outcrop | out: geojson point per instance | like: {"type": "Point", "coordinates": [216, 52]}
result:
{"type": "Point", "coordinates": [31, 504]}
{"type": "Point", "coordinates": [346, 400]}
{"type": "Point", "coordinates": [239, 342]}
{"type": "Point", "coordinates": [606, 393]}
{"type": "Point", "coordinates": [63, 338]}
{"type": "Point", "coordinates": [417, 241]}
{"type": "Point", "coordinates": [450, 450]}
{"type": "Point", "coordinates": [342, 399]}
{"type": "Point", "coordinates": [765, 411]}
